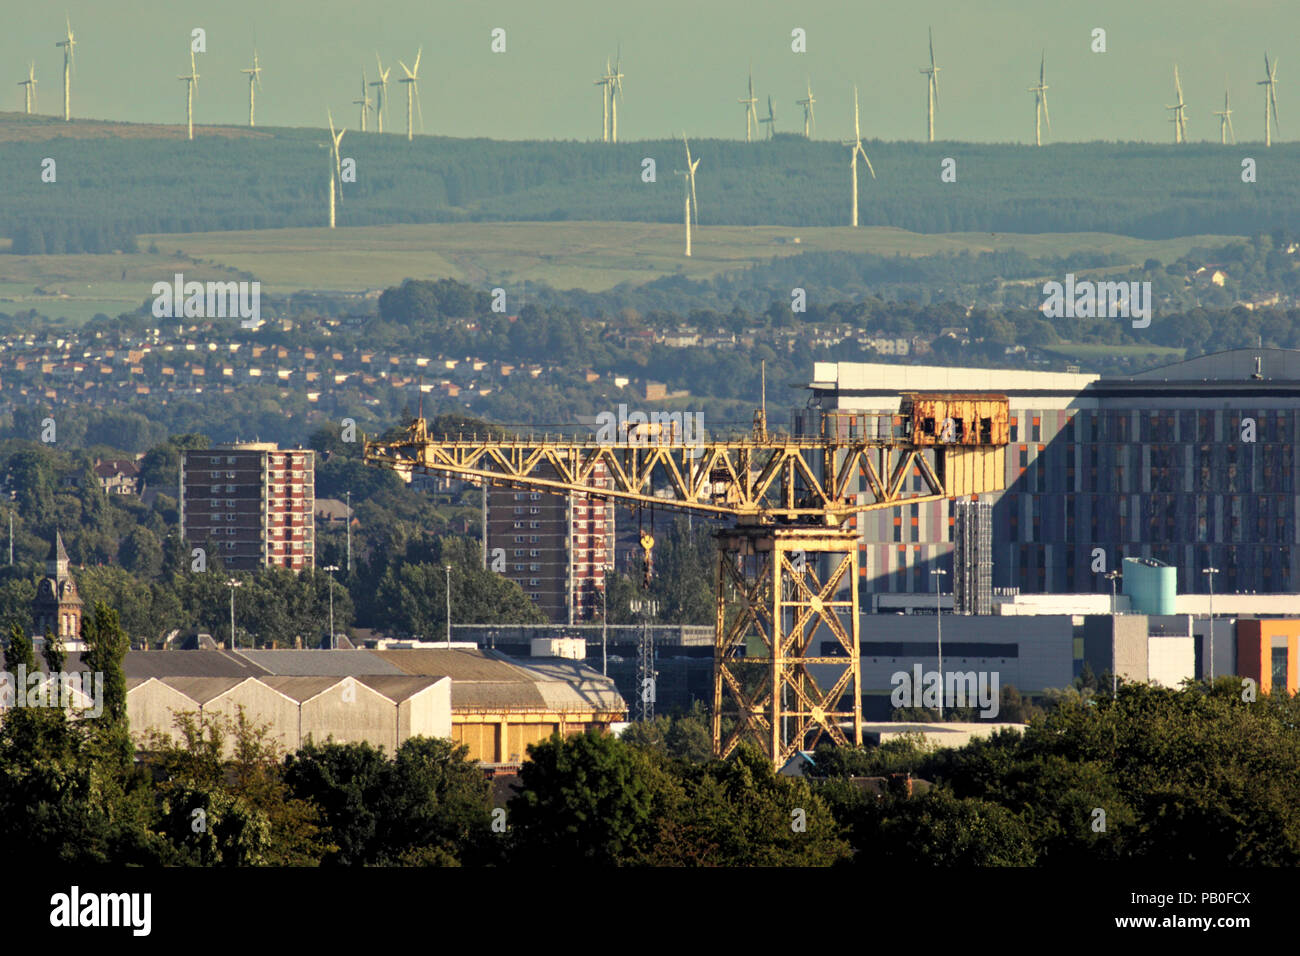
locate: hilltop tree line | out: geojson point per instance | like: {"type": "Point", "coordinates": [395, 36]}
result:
{"type": "Point", "coordinates": [135, 186]}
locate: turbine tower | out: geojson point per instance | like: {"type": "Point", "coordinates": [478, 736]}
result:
{"type": "Point", "coordinates": [68, 42]}
{"type": "Point", "coordinates": [1225, 118]}
{"type": "Point", "coordinates": [809, 121]}
{"type": "Point", "coordinates": [932, 89]}
{"type": "Point", "coordinates": [1180, 111]}
{"type": "Point", "coordinates": [856, 146]}
{"type": "Point", "coordinates": [412, 93]}
{"type": "Point", "coordinates": [191, 80]}
{"type": "Point", "coordinates": [1270, 98]}
{"type": "Point", "coordinates": [603, 83]}
{"type": "Point", "coordinates": [769, 119]}
{"type": "Point", "coordinates": [29, 94]}
{"type": "Point", "coordinates": [330, 154]}
{"type": "Point", "coordinates": [364, 102]}
{"type": "Point", "coordinates": [254, 76]}
{"type": "Point", "coordinates": [1040, 102]}
{"type": "Point", "coordinates": [688, 188]}
{"type": "Point", "coordinates": [381, 95]}
{"type": "Point", "coordinates": [615, 91]}
{"type": "Point", "coordinates": [750, 102]}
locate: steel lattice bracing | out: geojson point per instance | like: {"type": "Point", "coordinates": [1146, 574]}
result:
{"type": "Point", "coordinates": [773, 610]}
{"type": "Point", "coordinates": [805, 481]}
{"type": "Point", "coordinates": [789, 497]}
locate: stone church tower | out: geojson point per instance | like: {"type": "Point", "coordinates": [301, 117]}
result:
{"type": "Point", "coordinates": [57, 607]}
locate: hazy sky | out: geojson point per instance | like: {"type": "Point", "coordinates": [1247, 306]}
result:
{"type": "Point", "coordinates": [684, 63]}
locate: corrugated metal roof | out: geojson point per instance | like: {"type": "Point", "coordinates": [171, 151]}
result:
{"type": "Point", "coordinates": [180, 664]}
{"type": "Point", "coordinates": [300, 688]}
{"type": "Point", "coordinates": [295, 663]}
{"type": "Point", "coordinates": [201, 689]}
{"type": "Point", "coordinates": [460, 664]}
{"type": "Point", "coordinates": [398, 689]}
{"type": "Point", "coordinates": [481, 680]}
{"type": "Point", "coordinates": [488, 680]}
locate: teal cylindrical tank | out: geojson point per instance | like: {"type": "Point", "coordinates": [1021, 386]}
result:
{"type": "Point", "coordinates": [1150, 585]}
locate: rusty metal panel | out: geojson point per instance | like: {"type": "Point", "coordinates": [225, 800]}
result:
{"type": "Point", "coordinates": [956, 418]}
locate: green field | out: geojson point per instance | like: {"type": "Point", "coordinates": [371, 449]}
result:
{"type": "Point", "coordinates": [584, 255]}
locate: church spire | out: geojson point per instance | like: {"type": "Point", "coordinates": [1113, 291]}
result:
{"type": "Point", "coordinates": [56, 565]}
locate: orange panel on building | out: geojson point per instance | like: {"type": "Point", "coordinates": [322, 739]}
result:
{"type": "Point", "coordinates": [1267, 650]}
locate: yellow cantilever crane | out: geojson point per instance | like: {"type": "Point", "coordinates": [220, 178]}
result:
{"type": "Point", "coordinates": [789, 500]}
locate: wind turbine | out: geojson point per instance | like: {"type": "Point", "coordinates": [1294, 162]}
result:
{"type": "Point", "coordinates": [932, 89]}
{"type": "Point", "coordinates": [364, 102]}
{"type": "Point", "coordinates": [190, 82]}
{"type": "Point", "coordinates": [615, 91]}
{"type": "Point", "coordinates": [1040, 102]}
{"type": "Point", "coordinates": [769, 119]}
{"type": "Point", "coordinates": [688, 188]}
{"type": "Point", "coordinates": [1270, 98]}
{"type": "Point", "coordinates": [1225, 118]}
{"type": "Point", "coordinates": [29, 94]}
{"type": "Point", "coordinates": [856, 146]}
{"type": "Point", "coordinates": [1180, 111]}
{"type": "Point", "coordinates": [254, 76]}
{"type": "Point", "coordinates": [412, 94]}
{"type": "Point", "coordinates": [67, 43]}
{"type": "Point", "coordinates": [809, 121]}
{"type": "Point", "coordinates": [751, 114]}
{"type": "Point", "coordinates": [381, 97]}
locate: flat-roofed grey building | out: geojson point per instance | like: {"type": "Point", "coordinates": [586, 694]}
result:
{"type": "Point", "coordinates": [1192, 464]}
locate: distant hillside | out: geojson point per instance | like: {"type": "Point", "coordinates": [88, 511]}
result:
{"type": "Point", "coordinates": [128, 179]}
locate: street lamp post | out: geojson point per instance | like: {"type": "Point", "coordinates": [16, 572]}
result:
{"type": "Point", "coordinates": [447, 567]}
{"type": "Point", "coordinates": [1210, 573]}
{"type": "Point", "coordinates": [232, 584]}
{"type": "Point", "coordinates": [604, 627]}
{"type": "Point", "coordinates": [331, 568]}
{"type": "Point", "coordinates": [938, 575]}
{"type": "Point", "coordinates": [1112, 577]}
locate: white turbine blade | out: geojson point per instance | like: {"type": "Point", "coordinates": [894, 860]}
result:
{"type": "Point", "coordinates": [1046, 115]}
{"type": "Point", "coordinates": [931, 48]}
{"type": "Point", "coordinates": [405, 69]}
{"type": "Point", "coordinates": [867, 160]}
{"type": "Point", "coordinates": [419, 113]}
{"type": "Point", "coordinates": [694, 204]}
{"type": "Point", "coordinates": [418, 54]}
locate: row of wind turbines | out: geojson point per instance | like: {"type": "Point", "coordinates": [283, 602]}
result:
{"type": "Point", "coordinates": [254, 73]}
{"type": "Point", "coordinates": [691, 204]}
{"type": "Point", "coordinates": [1179, 108]}
{"type": "Point", "coordinates": [68, 44]}
{"type": "Point", "coordinates": [611, 84]}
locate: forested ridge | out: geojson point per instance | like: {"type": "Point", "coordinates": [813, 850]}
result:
{"type": "Point", "coordinates": [109, 189]}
